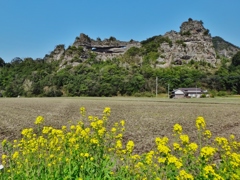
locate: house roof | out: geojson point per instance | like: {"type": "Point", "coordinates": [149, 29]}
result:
{"type": "Point", "coordinates": [188, 91]}
{"type": "Point", "coordinates": [179, 92]}
{"type": "Point", "coordinates": [191, 89]}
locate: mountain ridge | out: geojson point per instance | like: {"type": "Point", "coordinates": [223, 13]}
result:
{"type": "Point", "coordinates": [192, 42]}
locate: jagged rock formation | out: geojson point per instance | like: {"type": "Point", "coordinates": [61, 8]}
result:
{"type": "Point", "coordinates": [106, 49]}
{"type": "Point", "coordinates": [193, 42]}
{"type": "Point", "coordinates": [224, 48]}
{"type": "Point", "coordinates": [83, 46]}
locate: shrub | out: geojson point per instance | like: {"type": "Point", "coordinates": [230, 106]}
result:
{"type": "Point", "coordinates": [187, 33]}
{"type": "Point", "coordinates": [181, 42]}
{"type": "Point", "coordinates": [148, 94]}
{"type": "Point", "coordinates": [137, 94]}
{"type": "Point", "coordinates": [221, 93]}
{"type": "Point", "coordinates": [144, 94]}
{"type": "Point", "coordinates": [206, 32]}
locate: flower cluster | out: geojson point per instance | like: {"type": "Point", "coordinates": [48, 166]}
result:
{"type": "Point", "coordinates": [207, 152]}
{"type": "Point", "coordinates": [200, 123]}
{"type": "Point", "coordinates": [39, 120]}
{"type": "Point", "coordinates": [177, 128]}
{"type": "Point", "coordinates": [91, 149]}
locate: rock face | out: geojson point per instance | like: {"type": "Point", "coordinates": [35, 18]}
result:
{"type": "Point", "coordinates": [83, 46]}
{"type": "Point", "coordinates": [106, 49]}
{"type": "Point", "coordinates": [193, 42]}
{"type": "Point", "coordinates": [56, 54]}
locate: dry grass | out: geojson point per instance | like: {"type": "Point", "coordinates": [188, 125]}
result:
{"type": "Point", "coordinates": [146, 118]}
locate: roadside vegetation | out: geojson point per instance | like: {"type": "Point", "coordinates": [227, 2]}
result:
{"type": "Point", "coordinates": [91, 149]}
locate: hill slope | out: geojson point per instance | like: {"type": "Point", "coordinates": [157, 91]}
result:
{"type": "Point", "coordinates": [224, 48]}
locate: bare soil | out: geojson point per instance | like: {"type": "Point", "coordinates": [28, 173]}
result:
{"type": "Point", "coordinates": [146, 118]}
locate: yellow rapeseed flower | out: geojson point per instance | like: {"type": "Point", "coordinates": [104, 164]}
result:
{"type": "Point", "coordinates": [135, 157]}
{"type": "Point", "coordinates": [163, 149]}
{"type": "Point", "coordinates": [235, 160]}
{"type": "Point", "coordinates": [200, 123]}
{"type": "Point", "coordinates": [15, 155]}
{"type": "Point", "coordinates": [72, 141]}
{"type": "Point", "coordinates": [107, 111]}
{"type": "Point", "coordinates": [208, 171]}
{"type": "Point", "coordinates": [94, 125]}
{"type": "Point", "coordinates": [193, 147]}
{"type": "Point", "coordinates": [162, 160]}
{"type": "Point", "coordinates": [4, 142]}
{"type": "Point", "coordinates": [90, 118]}
{"type": "Point", "coordinates": [139, 165]}
{"type": "Point", "coordinates": [223, 143]}
{"type": "Point", "coordinates": [101, 131]}
{"type": "Point", "coordinates": [232, 137]}
{"type": "Point", "coordinates": [86, 155]}
{"type": "Point", "coordinates": [184, 138]}
{"type": "Point", "coordinates": [118, 144]}
{"type": "Point", "coordinates": [83, 111]}
{"type": "Point", "coordinates": [94, 141]}
{"type": "Point", "coordinates": [177, 128]}
{"type": "Point", "coordinates": [183, 175]}
{"type": "Point", "coordinates": [4, 156]}
{"type": "Point", "coordinates": [161, 141]}
{"type": "Point", "coordinates": [119, 136]}
{"type": "Point", "coordinates": [177, 147]}
{"type": "Point", "coordinates": [130, 146]}
{"type": "Point", "coordinates": [84, 133]}
{"type": "Point", "coordinates": [113, 130]}
{"type": "Point", "coordinates": [174, 160]}
{"type": "Point", "coordinates": [207, 134]}
{"type": "Point", "coordinates": [72, 127]}
{"type": "Point", "coordinates": [46, 130]}
{"type": "Point", "coordinates": [149, 156]}
{"type": "Point", "coordinates": [100, 123]}
{"type": "Point", "coordinates": [207, 152]}
{"type": "Point", "coordinates": [122, 122]}
{"type": "Point", "coordinates": [39, 120]}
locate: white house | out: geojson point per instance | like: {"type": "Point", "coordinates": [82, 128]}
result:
{"type": "Point", "coordinates": [187, 93]}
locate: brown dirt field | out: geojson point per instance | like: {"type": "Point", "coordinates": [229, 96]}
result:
{"type": "Point", "coordinates": [146, 118]}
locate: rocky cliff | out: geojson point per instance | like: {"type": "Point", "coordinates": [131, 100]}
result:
{"type": "Point", "coordinates": [193, 42]}
{"type": "Point", "coordinates": [84, 47]}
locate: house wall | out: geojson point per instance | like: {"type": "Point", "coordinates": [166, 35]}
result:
{"type": "Point", "coordinates": [195, 95]}
{"type": "Point", "coordinates": [179, 96]}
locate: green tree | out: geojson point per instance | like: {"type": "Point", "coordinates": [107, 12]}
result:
{"type": "Point", "coordinates": [2, 62]}
{"type": "Point", "coordinates": [236, 59]}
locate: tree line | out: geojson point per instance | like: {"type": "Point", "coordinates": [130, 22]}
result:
{"type": "Point", "coordinates": [125, 75]}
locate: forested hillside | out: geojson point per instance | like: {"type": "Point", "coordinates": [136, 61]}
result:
{"type": "Point", "coordinates": [111, 67]}
{"type": "Point", "coordinates": [30, 77]}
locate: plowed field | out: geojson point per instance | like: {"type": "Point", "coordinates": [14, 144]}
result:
{"type": "Point", "coordinates": [146, 118]}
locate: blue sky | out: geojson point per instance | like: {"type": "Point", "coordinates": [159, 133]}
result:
{"type": "Point", "coordinates": [32, 28]}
